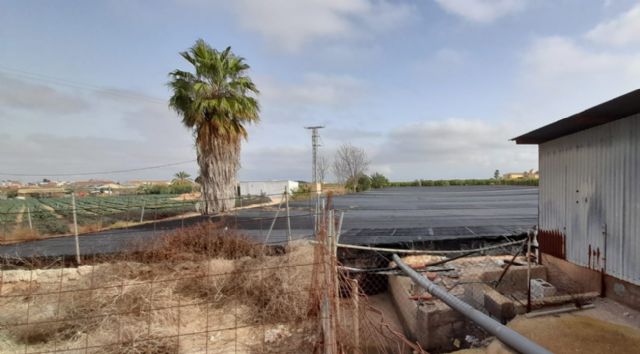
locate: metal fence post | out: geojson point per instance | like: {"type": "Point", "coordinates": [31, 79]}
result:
{"type": "Point", "coordinates": [75, 227]}
{"type": "Point", "coordinates": [144, 202]}
{"type": "Point", "coordinates": [286, 196]}
{"type": "Point", "coordinates": [273, 223]}
{"type": "Point", "coordinates": [29, 217]}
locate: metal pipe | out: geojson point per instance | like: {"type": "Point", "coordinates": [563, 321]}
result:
{"type": "Point", "coordinates": [508, 336]}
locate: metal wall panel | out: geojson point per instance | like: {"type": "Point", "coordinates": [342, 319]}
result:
{"type": "Point", "coordinates": [589, 191]}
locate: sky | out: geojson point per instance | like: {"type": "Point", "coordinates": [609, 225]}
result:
{"type": "Point", "coordinates": [430, 89]}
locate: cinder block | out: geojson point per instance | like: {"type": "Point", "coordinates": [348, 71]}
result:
{"type": "Point", "coordinates": [541, 288]}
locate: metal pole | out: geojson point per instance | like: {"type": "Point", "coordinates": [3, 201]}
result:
{"type": "Point", "coordinates": [266, 239]}
{"type": "Point", "coordinates": [29, 217]}
{"type": "Point", "coordinates": [286, 196]}
{"type": "Point", "coordinates": [505, 334]}
{"type": "Point", "coordinates": [75, 227]}
{"type": "Point", "coordinates": [144, 202]}
{"type": "Point", "coordinates": [529, 271]}
{"type": "Point", "coordinates": [603, 272]}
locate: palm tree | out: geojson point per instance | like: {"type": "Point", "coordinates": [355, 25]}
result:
{"type": "Point", "coordinates": [215, 101]}
{"type": "Point", "coordinates": [181, 177]}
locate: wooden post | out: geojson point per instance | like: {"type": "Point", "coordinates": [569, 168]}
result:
{"type": "Point", "coordinates": [75, 226]}
{"type": "Point", "coordinates": [286, 196]}
{"type": "Point", "coordinates": [355, 298]}
{"type": "Point", "coordinates": [328, 316]}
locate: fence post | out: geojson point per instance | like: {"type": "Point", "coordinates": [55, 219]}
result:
{"type": "Point", "coordinates": [100, 211]}
{"type": "Point", "coordinates": [128, 212]}
{"type": "Point", "coordinates": [356, 315]}
{"type": "Point", "coordinates": [286, 196]}
{"type": "Point", "coordinates": [273, 223]}
{"type": "Point", "coordinates": [75, 226]}
{"type": "Point", "coordinates": [144, 202]}
{"type": "Point", "coordinates": [29, 217]}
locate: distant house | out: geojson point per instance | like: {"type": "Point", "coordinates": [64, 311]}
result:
{"type": "Point", "coordinates": [89, 184]}
{"type": "Point", "coordinates": [521, 175]}
{"type": "Point", "coordinates": [111, 188]}
{"type": "Point", "coordinates": [148, 182]}
{"type": "Point", "coordinates": [267, 188]}
{"type": "Point", "coordinates": [10, 184]}
{"type": "Point", "coordinates": [41, 192]}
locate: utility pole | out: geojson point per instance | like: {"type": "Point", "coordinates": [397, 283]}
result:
{"type": "Point", "coordinates": [314, 171]}
{"type": "Point", "coordinates": [315, 144]}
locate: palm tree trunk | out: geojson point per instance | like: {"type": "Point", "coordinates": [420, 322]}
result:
{"type": "Point", "coordinates": [219, 161]}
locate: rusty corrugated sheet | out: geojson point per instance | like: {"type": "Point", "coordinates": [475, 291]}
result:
{"type": "Point", "coordinates": [590, 194]}
{"type": "Point", "coordinates": [552, 242]}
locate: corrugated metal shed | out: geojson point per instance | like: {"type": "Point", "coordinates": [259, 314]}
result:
{"type": "Point", "coordinates": [590, 197]}
{"type": "Point", "coordinates": [617, 108]}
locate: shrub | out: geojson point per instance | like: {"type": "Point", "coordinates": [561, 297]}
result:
{"type": "Point", "coordinates": [303, 192]}
{"type": "Point", "coordinates": [364, 183]}
{"type": "Point", "coordinates": [180, 187]}
{"type": "Point", "coordinates": [378, 180]}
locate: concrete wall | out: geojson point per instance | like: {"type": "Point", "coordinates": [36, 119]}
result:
{"type": "Point", "coordinates": [589, 192]}
{"type": "Point", "coordinates": [268, 188]}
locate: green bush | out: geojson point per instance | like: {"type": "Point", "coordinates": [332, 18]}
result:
{"type": "Point", "coordinates": [378, 180]}
{"type": "Point", "coordinates": [180, 187]}
{"type": "Point", "coordinates": [364, 183]}
{"type": "Point", "coordinates": [466, 182]}
{"type": "Point", "coordinates": [303, 192]}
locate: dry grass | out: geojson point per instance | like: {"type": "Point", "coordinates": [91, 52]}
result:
{"type": "Point", "coordinates": [87, 228]}
{"type": "Point", "coordinates": [19, 234]}
{"type": "Point", "coordinates": [136, 303]}
{"type": "Point", "coordinates": [205, 240]}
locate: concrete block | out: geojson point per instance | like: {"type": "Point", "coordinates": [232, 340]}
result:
{"type": "Point", "coordinates": [541, 288]}
{"type": "Point", "coordinates": [499, 306]}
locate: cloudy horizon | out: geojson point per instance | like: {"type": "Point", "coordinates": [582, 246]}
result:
{"type": "Point", "coordinates": [430, 89]}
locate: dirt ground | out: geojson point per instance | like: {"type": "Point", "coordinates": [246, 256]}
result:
{"type": "Point", "coordinates": [188, 307]}
{"type": "Point", "coordinates": [608, 328]}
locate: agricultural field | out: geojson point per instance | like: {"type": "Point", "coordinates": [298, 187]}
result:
{"type": "Point", "coordinates": [54, 216]}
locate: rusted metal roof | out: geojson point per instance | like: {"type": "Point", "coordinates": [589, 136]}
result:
{"type": "Point", "coordinates": [617, 108]}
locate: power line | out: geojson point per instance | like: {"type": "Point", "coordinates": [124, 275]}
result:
{"type": "Point", "coordinates": [79, 85]}
{"type": "Point", "coordinates": [97, 173]}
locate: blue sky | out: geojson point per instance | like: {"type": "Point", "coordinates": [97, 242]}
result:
{"type": "Point", "coordinates": [430, 89]}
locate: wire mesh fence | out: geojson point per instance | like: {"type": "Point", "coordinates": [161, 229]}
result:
{"type": "Point", "coordinates": [202, 289]}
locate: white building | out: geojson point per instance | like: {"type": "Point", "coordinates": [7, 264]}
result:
{"type": "Point", "coordinates": [589, 201]}
{"type": "Point", "coordinates": [267, 188]}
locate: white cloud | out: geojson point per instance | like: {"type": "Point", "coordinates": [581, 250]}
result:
{"type": "Point", "coordinates": [292, 24]}
{"type": "Point", "coordinates": [561, 76]}
{"type": "Point", "coordinates": [482, 11]}
{"type": "Point", "coordinates": [26, 95]}
{"type": "Point", "coordinates": [445, 61]}
{"type": "Point", "coordinates": [620, 31]}
{"type": "Point", "coordinates": [554, 59]}
{"type": "Point", "coordinates": [448, 148]}
{"type": "Point", "coordinates": [313, 89]}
